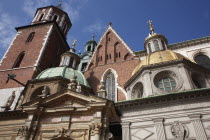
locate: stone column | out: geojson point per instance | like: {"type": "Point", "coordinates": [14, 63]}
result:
{"type": "Point", "coordinates": [126, 130]}
{"type": "Point", "coordinates": [160, 133]}
{"type": "Point", "coordinates": [198, 127]}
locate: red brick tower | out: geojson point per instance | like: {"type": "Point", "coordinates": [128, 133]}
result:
{"type": "Point", "coordinates": [35, 47]}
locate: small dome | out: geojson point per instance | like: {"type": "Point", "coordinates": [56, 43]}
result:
{"type": "Point", "coordinates": [158, 57]}
{"type": "Point", "coordinates": [90, 42]}
{"type": "Point", "coordinates": [64, 72]}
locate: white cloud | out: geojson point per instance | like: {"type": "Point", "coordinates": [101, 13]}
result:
{"type": "Point", "coordinates": [7, 31]}
{"type": "Point", "coordinates": [96, 27]}
{"type": "Point", "coordinates": [72, 7]}
{"type": "Point", "coordinates": [30, 6]}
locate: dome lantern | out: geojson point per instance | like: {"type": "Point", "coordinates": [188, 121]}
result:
{"type": "Point", "coordinates": [91, 45]}
{"type": "Point", "coordinates": [155, 42]}
{"type": "Point", "coordinates": [70, 58]}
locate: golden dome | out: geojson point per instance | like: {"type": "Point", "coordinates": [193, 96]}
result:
{"type": "Point", "coordinates": [158, 57]}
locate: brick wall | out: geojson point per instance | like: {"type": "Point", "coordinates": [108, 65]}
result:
{"type": "Point", "coordinates": [55, 46]}
{"type": "Point", "coordinates": [114, 56]}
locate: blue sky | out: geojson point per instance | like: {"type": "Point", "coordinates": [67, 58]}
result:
{"type": "Point", "coordinates": [178, 20]}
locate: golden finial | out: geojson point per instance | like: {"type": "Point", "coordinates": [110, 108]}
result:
{"type": "Point", "coordinates": [74, 43]}
{"type": "Point", "coordinates": [151, 28]}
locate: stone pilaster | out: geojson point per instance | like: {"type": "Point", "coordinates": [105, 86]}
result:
{"type": "Point", "coordinates": [198, 127]}
{"type": "Point", "coordinates": [126, 131]}
{"type": "Point", "coordinates": [160, 133]}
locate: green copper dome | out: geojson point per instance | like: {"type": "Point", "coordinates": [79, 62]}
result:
{"type": "Point", "coordinates": [64, 72]}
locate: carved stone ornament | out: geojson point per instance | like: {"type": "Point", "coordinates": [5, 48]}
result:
{"type": "Point", "coordinates": [9, 102]}
{"type": "Point", "coordinates": [22, 133]}
{"type": "Point", "coordinates": [66, 133]}
{"type": "Point", "coordinates": [95, 128]}
{"type": "Point", "coordinates": [179, 130]}
{"type": "Point", "coordinates": [62, 133]}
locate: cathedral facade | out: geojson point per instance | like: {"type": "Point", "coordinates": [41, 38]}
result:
{"type": "Point", "coordinates": [50, 92]}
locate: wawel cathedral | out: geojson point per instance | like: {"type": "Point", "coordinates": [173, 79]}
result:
{"type": "Point", "coordinates": [50, 92]}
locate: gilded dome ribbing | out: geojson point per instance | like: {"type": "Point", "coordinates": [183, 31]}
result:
{"type": "Point", "coordinates": [158, 57]}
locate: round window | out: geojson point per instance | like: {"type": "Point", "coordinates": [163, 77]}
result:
{"type": "Point", "coordinates": [203, 60]}
{"type": "Point", "coordinates": [166, 84]}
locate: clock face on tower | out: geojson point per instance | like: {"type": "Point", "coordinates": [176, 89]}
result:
{"type": "Point", "coordinates": [203, 60]}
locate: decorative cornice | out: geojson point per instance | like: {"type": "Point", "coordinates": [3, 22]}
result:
{"type": "Point", "coordinates": [164, 98]}
{"type": "Point", "coordinates": [179, 45]}
{"type": "Point", "coordinates": [189, 43]}
{"type": "Point", "coordinates": [12, 114]}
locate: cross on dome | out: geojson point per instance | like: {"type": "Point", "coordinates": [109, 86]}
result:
{"type": "Point", "coordinates": [151, 27]}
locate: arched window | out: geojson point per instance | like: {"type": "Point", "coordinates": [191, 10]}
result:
{"type": "Point", "coordinates": [149, 48]}
{"type": "Point", "coordinates": [71, 62]}
{"type": "Point", "coordinates": [137, 91]}
{"type": "Point", "coordinates": [40, 18]}
{"type": "Point", "coordinates": [110, 86]}
{"type": "Point", "coordinates": [30, 37]}
{"type": "Point", "coordinates": [163, 45]}
{"type": "Point", "coordinates": [89, 48]}
{"type": "Point", "coordinates": [83, 66]}
{"type": "Point", "coordinates": [199, 80]}
{"type": "Point", "coordinates": [156, 45]}
{"type": "Point", "coordinates": [65, 60]}
{"type": "Point", "coordinates": [203, 60]}
{"type": "Point", "coordinates": [19, 60]}
{"type": "Point", "coordinates": [55, 18]}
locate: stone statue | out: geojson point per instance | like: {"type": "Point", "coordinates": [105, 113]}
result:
{"type": "Point", "coordinates": [73, 83]}
{"type": "Point", "coordinates": [102, 91]}
{"type": "Point", "coordinates": [79, 88]}
{"type": "Point", "coordinates": [9, 102]}
{"type": "Point", "coordinates": [102, 86]}
{"type": "Point", "coordinates": [45, 92]}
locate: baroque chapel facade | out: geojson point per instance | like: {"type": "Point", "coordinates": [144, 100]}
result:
{"type": "Point", "coordinates": [49, 92]}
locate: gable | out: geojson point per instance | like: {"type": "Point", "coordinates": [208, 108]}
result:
{"type": "Point", "coordinates": [110, 49]}
{"type": "Point", "coordinates": [65, 98]}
